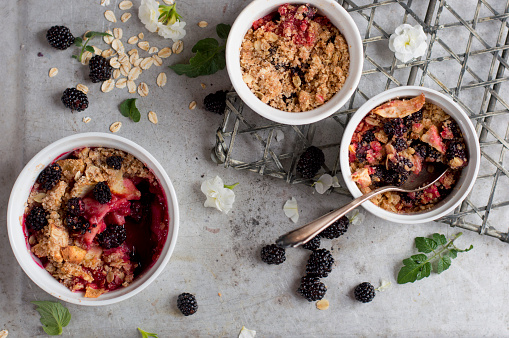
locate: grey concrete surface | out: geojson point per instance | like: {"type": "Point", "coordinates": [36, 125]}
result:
{"type": "Point", "coordinates": [216, 253]}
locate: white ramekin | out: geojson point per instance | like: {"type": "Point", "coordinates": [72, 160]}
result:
{"type": "Point", "coordinates": [468, 175]}
{"type": "Point", "coordinates": [19, 196]}
{"type": "Point", "coordinates": [338, 16]}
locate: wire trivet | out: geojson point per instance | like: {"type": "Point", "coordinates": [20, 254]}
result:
{"type": "Point", "coordinates": [473, 75]}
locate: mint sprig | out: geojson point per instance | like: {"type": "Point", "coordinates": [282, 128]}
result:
{"type": "Point", "coordinates": [128, 109]}
{"type": "Point", "coordinates": [209, 56]}
{"type": "Point", "coordinates": [54, 316]}
{"type": "Point", "coordinates": [78, 42]}
{"type": "Point", "coordinates": [145, 334]}
{"type": "Point", "coordinates": [441, 254]}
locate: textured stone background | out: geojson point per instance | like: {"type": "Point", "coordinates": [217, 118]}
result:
{"type": "Point", "coordinates": [219, 253]}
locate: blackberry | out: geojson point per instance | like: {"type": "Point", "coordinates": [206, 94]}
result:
{"type": "Point", "coordinates": [50, 176]}
{"type": "Point", "coordinates": [36, 218]}
{"type": "Point", "coordinates": [115, 162]}
{"type": "Point", "coordinates": [311, 288]}
{"type": "Point", "coordinates": [76, 206]}
{"type": "Point", "coordinates": [400, 144]}
{"type": "Point", "coordinates": [100, 69]}
{"type": "Point", "coordinates": [187, 304]}
{"type": "Point", "coordinates": [75, 99]}
{"type": "Point", "coordinates": [310, 162]}
{"type": "Point", "coordinates": [361, 153]}
{"type": "Point", "coordinates": [415, 117]}
{"type": "Point", "coordinates": [336, 229]}
{"type": "Point", "coordinates": [400, 165]}
{"type": "Point", "coordinates": [424, 150]}
{"type": "Point", "coordinates": [216, 102]}
{"type": "Point", "coordinates": [368, 136]}
{"type": "Point", "coordinates": [395, 127]}
{"type": "Point", "coordinates": [77, 223]}
{"type": "Point", "coordinates": [453, 127]}
{"type": "Point", "coordinates": [319, 263]}
{"type": "Point", "coordinates": [60, 37]}
{"type": "Point", "coordinates": [273, 254]}
{"type": "Point", "coordinates": [102, 193]}
{"type": "Point", "coordinates": [312, 244]}
{"type": "Point", "coordinates": [364, 292]}
{"type": "Point", "coordinates": [112, 237]}
{"type": "Point", "coordinates": [455, 148]}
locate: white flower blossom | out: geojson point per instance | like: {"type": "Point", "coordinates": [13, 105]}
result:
{"type": "Point", "coordinates": [218, 196]}
{"type": "Point", "coordinates": [291, 209]}
{"type": "Point", "coordinates": [162, 19]}
{"type": "Point", "coordinates": [174, 32]}
{"type": "Point", "coordinates": [335, 182]}
{"type": "Point", "coordinates": [149, 14]}
{"type": "Point", "coordinates": [246, 333]}
{"type": "Point", "coordinates": [355, 217]}
{"type": "Point", "coordinates": [408, 42]}
{"type": "Point", "coordinates": [384, 285]}
{"type": "Point", "coordinates": [323, 184]}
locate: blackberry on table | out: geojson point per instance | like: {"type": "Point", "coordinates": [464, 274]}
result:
{"type": "Point", "coordinates": [336, 229]}
{"type": "Point", "coordinates": [311, 288]}
{"type": "Point", "coordinates": [187, 304]}
{"type": "Point", "coordinates": [60, 37]}
{"type": "Point", "coordinates": [76, 206]}
{"type": "Point", "coordinates": [216, 102]}
{"type": "Point", "coordinates": [312, 244]}
{"type": "Point", "coordinates": [75, 99]}
{"type": "Point", "coordinates": [319, 263]}
{"type": "Point", "coordinates": [310, 162]}
{"type": "Point", "coordinates": [115, 162]}
{"type": "Point", "coordinates": [49, 177]}
{"type": "Point", "coordinates": [77, 223]}
{"type": "Point", "coordinates": [36, 218]}
{"type": "Point", "coordinates": [102, 193]}
{"type": "Point", "coordinates": [112, 237]}
{"type": "Point", "coordinates": [100, 69]}
{"type": "Point", "coordinates": [364, 292]}
{"type": "Point", "coordinates": [273, 254]}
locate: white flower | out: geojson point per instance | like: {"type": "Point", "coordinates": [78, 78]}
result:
{"type": "Point", "coordinates": [384, 285]}
{"type": "Point", "coordinates": [280, 136]}
{"type": "Point", "coordinates": [323, 184]}
{"type": "Point", "coordinates": [355, 217]}
{"type": "Point", "coordinates": [218, 196]}
{"type": "Point", "coordinates": [335, 182]}
{"type": "Point", "coordinates": [291, 210]}
{"type": "Point", "coordinates": [246, 333]}
{"type": "Point", "coordinates": [149, 14]}
{"type": "Point", "coordinates": [174, 32]}
{"type": "Point", "coordinates": [408, 42]}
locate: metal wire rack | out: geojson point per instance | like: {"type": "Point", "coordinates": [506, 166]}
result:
{"type": "Point", "coordinates": [468, 45]}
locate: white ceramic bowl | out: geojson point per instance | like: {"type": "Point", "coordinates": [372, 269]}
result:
{"type": "Point", "coordinates": [468, 175]}
{"type": "Point", "coordinates": [339, 18]}
{"type": "Point", "coordinates": [19, 196]}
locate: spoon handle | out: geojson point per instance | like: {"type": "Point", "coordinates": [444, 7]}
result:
{"type": "Point", "coordinates": [307, 232]}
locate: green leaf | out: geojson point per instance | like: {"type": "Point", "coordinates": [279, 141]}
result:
{"type": "Point", "coordinates": [453, 253]}
{"type": "Point", "coordinates": [223, 30]}
{"type": "Point", "coordinates": [231, 186]}
{"type": "Point", "coordinates": [128, 109]}
{"type": "Point", "coordinates": [443, 264]}
{"type": "Point", "coordinates": [205, 45]}
{"type": "Point", "coordinates": [425, 245]}
{"type": "Point", "coordinates": [419, 258]}
{"type": "Point", "coordinates": [54, 316]}
{"type": "Point", "coordinates": [74, 57]}
{"type": "Point", "coordinates": [440, 239]}
{"type": "Point", "coordinates": [78, 42]}
{"type": "Point", "coordinates": [145, 334]}
{"type": "Point", "coordinates": [92, 34]}
{"type": "Point", "coordinates": [90, 49]}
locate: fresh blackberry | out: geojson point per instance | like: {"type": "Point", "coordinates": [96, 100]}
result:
{"type": "Point", "coordinates": [36, 218]}
{"type": "Point", "coordinates": [395, 127]}
{"type": "Point", "coordinates": [50, 176]}
{"type": "Point", "coordinates": [310, 162]}
{"type": "Point", "coordinates": [312, 244]}
{"type": "Point", "coordinates": [115, 162]}
{"type": "Point", "coordinates": [369, 136]}
{"type": "Point", "coordinates": [100, 69]}
{"type": "Point", "coordinates": [187, 304]}
{"type": "Point", "coordinates": [336, 229]}
{"type": "Point", "coordinates": [77, 223]}
{"type": "Point", "coordinates": [102, 193]}
{"type": "Point", "coordinates": [453, 127]}
{"type": "Point", "coordinates": [273, 254]}
{"type": "Point", "coordinates": [112, 237]}
{"type": "Point", "coordinates": [424, 150]}
{"type": "Point", "coordinates": [400, 144]}
{"type": "Point", "coordinates": [319, 263]}
{"type": "Point", "coordinates": [364, 292]}
{"type": "Point", "coordinates": [216, 102]}
{"type": "Point", "coordinates": [311, 288]}
{"type": "Point", "coordinates": [361, 153]}
{"type": "Point", "coordinates": [456, 148]}
{"type": "Point", "coordinates": [75, 99]}
{"type": "Point", "coordinates": [76, 206]}
{"type": "Point", "coordinates": [60, 37]}
{"type": "Point", "coordinates": [415, 117]}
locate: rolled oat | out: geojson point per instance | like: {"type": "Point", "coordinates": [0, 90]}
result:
{"type": "Point", "coordinates": [115, 126]}
{"type": "Point", "coordinates": [178, 47]}
{"type": "Point", "coordinates": [117, 33]}
{"type": "Point", "coordinates": [131, 86]}
{"type": "Point", "coordinates": [121, 83]}
{"type": "Point", "coordinates": [125, 17]}
{"type": "Point", "coordinates": [125, 5]}
{"type": "Point", "coordinates": [152, 117]}
{"type": "Point", "coordinates": [53, 72]}
{"type": "Point", "coordinates": [132, 40]}
{"type": "Point", "coordinates": [82, 88]}
{"type": "Point", "coordinates": [157, 60]}
{"type": "Point", "coordinates": [164, 53]}
{"type": "Point", "coordinates": [143, 89]}
{"type": "Point", "coordinates": [161, 79]}
{"type": "Point", "coordinates": [110, 16]}
{"type": "Point", "coordinates": [144, 45]}
{"type": "Point", "coordinates": [108, 85]}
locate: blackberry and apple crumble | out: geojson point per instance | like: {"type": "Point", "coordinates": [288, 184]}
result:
{"type": "Point", "coordinates": [294, 59]}
{"type": "Point", "coordinates": [394, 140]}
{"type": "Point", "coordinates": [96, 220]}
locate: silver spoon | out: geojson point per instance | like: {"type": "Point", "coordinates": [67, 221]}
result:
{"type": "Point", "coordinates": [430, 173]}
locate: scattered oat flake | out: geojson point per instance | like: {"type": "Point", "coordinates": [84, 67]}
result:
{"type": "Point", "coordinates": [87, 119]}
{"type": "Point", "coordinates": [117, 33]}
{"type": "Point", "coordinates": [203, 24]}
{"type": "Point", "coordinates": [143, 89]}
{"type": "Point", "coordinates": [117, 45]}
{"type": "Point", "coordinates": [203, 85]}
{"type": "Point", "coordinates": [144, 45]}
{"type": "Point", "coordinates": [107, 38]}
{"type": "Point", "coordinates": [161, 79]}
{"type": "Point", "coordinates": [133, 58]}
{"type": "Point", "coordinates": [132, 51]}
{"type": "Point", "coordinates": [110, 16]}
{"type": "Point", "coordinates": [115, 126]}
{"type": "Point", "coordinates": [123, 58]}
{"type": "Point", "coordinates": [105, 2]}
{"type": "Point", "coordinates": [124, 5]}
{"type": "Point", "coordinates": [85, 36]}
{"type": "Point", "coordinates": [97, 51]}
{"type": "Point", "coordinates": [152, 117]}
{"type": "Point", "coordinates": [132, 40]}
{"type": "Point", "coordinates": [121, 83]}
{"type": "Point", "coordinates": [125, 69]}
{"type": "Point", "coordinates": [125, 17]}
{"type": "Point", "coordinates": [153, 50]}
{"type": "Point", "coordinates": [137, 62]}
{"type": "Point", "coordinates": [131, 86]}
{"type": "Point", "coordinates": [219, 294]}
{"type": "Point", "coordinates": [134, 73]}
{"type": "Point", "coordinates": [85, 57]}
{"type": "Point", "coordinates": [108, 85]}
{"type": "Point", "coordinates": [157, 60]}
{"type": "Point", "coordinates": [322, 304]}
{"type": "Point", "coordinates": [4, 334]}
{"type": "Point", "coordinates": [82, 88]}
{"type": "Point", "coordinates": [146, 63]}
{"type": "Point", "coordinates": [246, 333]}
{"type": "Point", "coordinates": [141, 36]}
{"type": "Point", "coordinates": [177, 47]}
{"type": "Point", "coordinates": [164, 53]}
{"type": "Point", "coordinates": [53, 72]}
{"type": "Point", "coordinates": [192, 105]}
{"type": "Point", "coordinates": [114, 62]}
{"type": "Point", "coordinates": [107, 53]}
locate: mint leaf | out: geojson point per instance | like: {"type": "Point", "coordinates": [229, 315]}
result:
{"type": "Point", "coordinates": [90, 49]}
{"type": "Point", "coordinates": [145, 334]}
{"type": "Point", "coordinates": [78, 42]}
{"type": "Point", "coordinates": [206, 45]}
{"type": "Point", "coordinates": [92, 34]}
{"type": "Point", "coordinates": [128, 109]}
{"type": "Point", "coordinates": [425, 245]}
{"type": "Point", "coordinates": [54, 316]}
{"type": "Point", "coordinates": [223, 30]}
